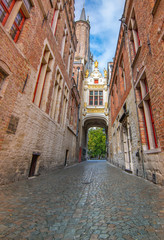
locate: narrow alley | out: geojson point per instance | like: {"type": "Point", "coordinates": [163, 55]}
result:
{"type": "Point", "coordinates": [89, 201]}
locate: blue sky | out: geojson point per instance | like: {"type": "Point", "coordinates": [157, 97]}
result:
{"type": "Point", "coordinates": [104, 17]}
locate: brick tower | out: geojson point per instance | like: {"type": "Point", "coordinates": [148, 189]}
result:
{"type": "Point", "coordinates": [83, 54]}
{"type": "Point", "coordinates": [82, 62]}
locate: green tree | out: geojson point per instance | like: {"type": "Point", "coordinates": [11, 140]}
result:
{"type": "Point", "coordinates": [96, 142]}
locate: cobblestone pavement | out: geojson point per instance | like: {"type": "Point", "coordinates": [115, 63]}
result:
{"type": "Point", "coordinates": [89, 201]}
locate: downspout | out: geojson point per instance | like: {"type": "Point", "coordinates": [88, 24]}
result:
{"type": "Point", "coordinates": [78, 77]}
{"type": "Point", "coordinates": [77, 129]}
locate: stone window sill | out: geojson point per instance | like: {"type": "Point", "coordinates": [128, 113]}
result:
{"type": "Point", "coordinates": [153, 151]}
{"type": "Point", "coordinates": [156, 4]}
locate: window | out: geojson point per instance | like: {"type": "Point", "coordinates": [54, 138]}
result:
{"type": "Point", "coordinates": [96, 81]}
{"type": "Point", "coordinates": [100, 97]}
{"type": "Point", "coordinates": [116, 93]}
{"type": "Point", "coordinates": [73, 112]}
{"type": "Point", "coordinates": [64, 105]}
{"type": "Point", "coordinates": [56, 16]}
{"type": "Point", "coordinates": [91, 98]}
{"type": "Point", "coordinates": [72, 103]}
{"type": "Point", "coordinates": [64, 40]}
{"type": "Point", "coordinates": [134, 37]}
{"type": "Point", "coordinates": [145, 114]}
{"type": "Point", "coordinates": [57, 94]}
{"type": "Point", "coordinates": [28, 5]}
{"type": "Point", "coordinates": [13, 14]}
{"type": "Point", "coordinates": [69, 59]}
{"type": "Point", "coordinates": [17, 26]}
{"type": "Point", "coordinates": [122, 76]}
{"type": "Point", "coordinates": [43, 80]}
{"type": "Point", "coordinates": [3, 75]}
{"type": "Point", "coordinates": [96, 98]}
{"type": "Point", "coordinates": [5, 10]}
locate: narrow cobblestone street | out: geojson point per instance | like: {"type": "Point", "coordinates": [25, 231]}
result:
{"type": "Point", "coordinates": [91, 200]}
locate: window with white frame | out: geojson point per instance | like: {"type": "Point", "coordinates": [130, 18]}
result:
{"type": "Point", "coordinates": [134, 35]}
{"type": "Point", "coordinates": [72, 103]}
{"type": "Point", "coordinates": [64, 105]}
{"type": "Point", "coordinates": [56, 16]}
{"type": "Point", "coordinates": [96, 98]}
{"type": "Point", "coordinates": [43, 80]}
{"type": "Point", "coordinates": [28, 4]}
{"type": "Point", "coordinates": [5, 10]}
{"type": "Point", "coordinates": [56, 98]}
{"type": "Point", "coordinates": [145, 114]}
{"type": "Point", "coordinates": [116, 93]}
{"type": "Point", "coordinates": [69, 58]}
{"type": "Point", "coordinates": [122, 75]}
{"type": "Point", "coordinates": [64, 40]}
{"type": "Point", "coordinates": [13, 15]}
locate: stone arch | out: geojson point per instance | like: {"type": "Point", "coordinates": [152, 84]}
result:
{"type": "Point", "coordinates": [88, 122]}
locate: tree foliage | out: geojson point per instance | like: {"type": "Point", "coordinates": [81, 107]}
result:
{"type": "Point", "coordinates": [96, 143]}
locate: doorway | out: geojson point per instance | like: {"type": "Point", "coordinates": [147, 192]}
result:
{"type": "Point", "coordinates": [127, 145]}
{"type": "Point", "coordinates": [96, 143]}
{"type": "Point", "coordinates": [33, 165]}
{"type": "Point", "coordinates": [126, 148]}
{"type": "Point", "coordinates": [66, 157]}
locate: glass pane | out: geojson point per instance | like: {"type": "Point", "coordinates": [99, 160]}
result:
{"type": "Point", "coordinates": [13, 31]}
{"type": "Point", "coordinates": [28, 4]}
{"type": "Point", "coordinates": [2, 13]}
{"type": "Point", "coordinates": [96, 102]}
{"type": "Point", "coordinates": [101, 102]}
{"type": "Point", "coordinates": [7, 3]}
{"type": "Point", "coordinates": [96, 98]}
{"type": "Point", "coordinates": [91, 93]}
{"type": "Point", "coordinates": [96, 93]}
{"type": "Point", "coordinates": [19, 18]}
{"type": "Point", "coordinates": [91, 98]}
{"type": "Point", "coordinates": [91, 103]}
{"type": "Point", "coordinates": [100, 93]}
{"type": "Point", "coordinates": [101, 98]}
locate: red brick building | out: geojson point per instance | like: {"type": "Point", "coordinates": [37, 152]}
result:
{"type": "Point", "coordinates": [136, 91]}
{"type": "Point", "coordinates": [37, 46]}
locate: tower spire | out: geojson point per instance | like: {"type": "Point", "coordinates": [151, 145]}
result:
{"type": "Point", "coordinates": [83, 15]}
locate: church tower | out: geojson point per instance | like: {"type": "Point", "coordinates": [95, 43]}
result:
{"type": "Point", "coordinates": [82, 53]}
{"type": "Point", "coordinates": [82, 65]}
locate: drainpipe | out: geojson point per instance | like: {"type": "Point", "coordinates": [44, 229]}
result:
{"type": "Point", "coordinates": [77, 129]}
{"type": "Point", "coordinates": [126, 34]}
{"type": "Point", "coordinates": [78, 77]}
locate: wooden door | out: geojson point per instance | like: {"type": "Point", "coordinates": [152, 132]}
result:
{"type": "Point", "coordinates": [126, 148]}
{"type": "Point", "coordinates": [33, 165]}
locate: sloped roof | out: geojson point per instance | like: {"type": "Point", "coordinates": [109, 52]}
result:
{"type": "Point", "coordinates": [83, 15]}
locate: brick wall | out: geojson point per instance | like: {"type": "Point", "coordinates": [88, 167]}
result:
{"type": "Point", "coordinates": [145, 63]}
{"type": "Point", "coordinates": [82, 33]}
{"type": "Point", "coordinates": [25, 128]}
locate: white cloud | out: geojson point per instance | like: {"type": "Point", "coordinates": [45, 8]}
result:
{"type": "Point", "coordinates": [104, 17]}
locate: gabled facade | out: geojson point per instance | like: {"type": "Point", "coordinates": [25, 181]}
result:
{"type": "Point", "coordinates": [95, 95]}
